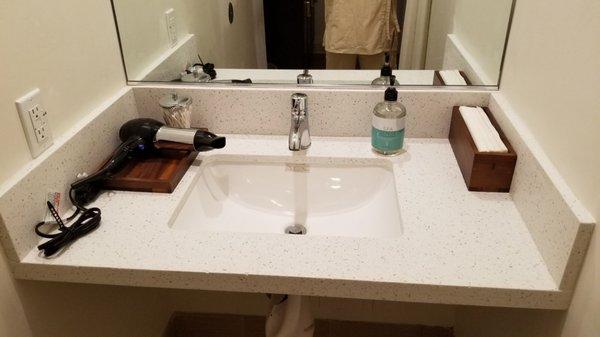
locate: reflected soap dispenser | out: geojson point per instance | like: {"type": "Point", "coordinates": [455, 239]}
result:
{"type": "Point", "coordinates": [389, 120]}
{"type": "Point", "coordinates": [386, 77]}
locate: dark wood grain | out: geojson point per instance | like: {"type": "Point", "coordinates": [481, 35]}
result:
{"type": "Point", "coordinates": [159, 173]}
{"type": "Point", "coordinates": [464, 75]}
{"type": "Point", "coordinates": [482, 171]}
{"type": "Point", "coordinates": [438, 81]}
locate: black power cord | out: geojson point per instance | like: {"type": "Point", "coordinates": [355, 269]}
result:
{"type": "Point", "coordinates": [208, 68]}
{"type": "Point", "coordinates": [88, 221]}
{"type": "Point", "coordinates": [83, 192]}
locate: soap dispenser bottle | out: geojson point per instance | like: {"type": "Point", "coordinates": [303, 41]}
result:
{"type": "Point", "coordinates": [386, 77]}
{"type": "Point", "coordinates": [389, 120]}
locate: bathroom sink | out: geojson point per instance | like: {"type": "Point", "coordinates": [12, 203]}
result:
{"type": "Point", "coordinates": [326, 197]}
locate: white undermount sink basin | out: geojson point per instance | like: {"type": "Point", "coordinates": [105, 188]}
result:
{"type": "Point", "coordinates": [327, 197]}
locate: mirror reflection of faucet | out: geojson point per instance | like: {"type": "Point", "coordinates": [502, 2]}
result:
{"type": "Point", "coordinates": [305, 78]}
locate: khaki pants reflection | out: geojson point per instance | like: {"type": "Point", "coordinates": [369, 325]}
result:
{"type": "Point", "coordinates": [349, 61]}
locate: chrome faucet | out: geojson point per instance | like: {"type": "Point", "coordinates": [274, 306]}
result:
{"type": "Point", "coordinates": [299, 131]}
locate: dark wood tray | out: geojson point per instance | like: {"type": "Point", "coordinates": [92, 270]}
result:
{"type": "Point", "coordinates": [158, 173]}
{"type": "Point", "coordinates": [482, 171]}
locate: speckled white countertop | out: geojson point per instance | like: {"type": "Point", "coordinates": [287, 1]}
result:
{"type": "Point", "coordinates": [457, 247]}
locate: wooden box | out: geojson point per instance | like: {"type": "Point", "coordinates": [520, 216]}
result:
{"type": "Point", "coordinates": [483, 172]}
{"type": "Point", "coordinates": [438, 81]}
{"type": "Point", "coordinates": [159, 173]}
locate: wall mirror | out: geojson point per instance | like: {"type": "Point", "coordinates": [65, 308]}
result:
{"type": "Point", "coordinates": [348, 42]}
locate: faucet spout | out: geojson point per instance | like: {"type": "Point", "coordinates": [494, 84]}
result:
{"type": "Point", "coordinates": [299, 138]}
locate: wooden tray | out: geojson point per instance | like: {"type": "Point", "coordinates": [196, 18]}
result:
{"type": "Point", "coordinates": [439, 81]}
{"type": "Point", "coordinates": [482, 171]}
{"type": "Point", "coordinates": [160, 173]}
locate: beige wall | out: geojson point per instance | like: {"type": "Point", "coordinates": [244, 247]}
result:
{"type": "Point", "coordinates": [235, 45]}
{"type": "Point", "coordinates": [551, 79]}
{"type": "Point", "coordinates": [144, 34]}
{"type": "Point", "coordinates": [440, 25]}
{"type": "Point", "coordinates": [143, 30]}
{"type": "Point", "coordinates": [12, 315]}
{"type": "Point", "coordinates": [479, 25]}
{"type": "Point", "coordinates": [68, 50]}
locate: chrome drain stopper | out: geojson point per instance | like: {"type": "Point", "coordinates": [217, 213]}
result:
{"type": "Point", "coordinates": [296, 230]}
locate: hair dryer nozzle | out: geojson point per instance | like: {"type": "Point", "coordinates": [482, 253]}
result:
{"type": "Point", "coordinates": [206, 141]}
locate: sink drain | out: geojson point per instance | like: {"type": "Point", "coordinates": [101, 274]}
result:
{"type": "Point", "coordinates": [296, 230]}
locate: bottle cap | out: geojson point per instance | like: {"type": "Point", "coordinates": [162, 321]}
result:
{"type": "Point", "coordinates": [391, 94]}
{"type": "Point", "coordinates": [386, 70]}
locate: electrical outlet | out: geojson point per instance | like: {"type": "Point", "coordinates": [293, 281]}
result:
{"type": "Point", "coordinates": [171, 26]}
{"type": "Point", "coordinates": [34, 119]}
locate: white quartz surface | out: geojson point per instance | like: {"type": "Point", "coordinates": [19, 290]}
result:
{"type": "Point", "coordinates": [457, 247]}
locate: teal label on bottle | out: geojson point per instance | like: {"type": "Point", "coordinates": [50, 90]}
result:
{"type": "Point", "coordinates": [387, 141]}
{"type": "Point", "coordinates": [387, 135]}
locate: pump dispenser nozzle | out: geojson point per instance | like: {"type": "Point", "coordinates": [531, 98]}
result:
{"type": "Point", "coordinates": [386, 78]}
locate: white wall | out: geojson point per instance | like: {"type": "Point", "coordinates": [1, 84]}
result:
{"type": "Point", "coordinates": [480, 27]}
{"type": "Point", "coordinates": [12, 315]}
{"type": "Point", "coordinates": [143, 30]}
{"type": "Point", "coordinates": [67, 49]}
{"type": "Point", "coordinates": [440, 25]}
{"type": "Point", "coordinates": [235, 46]}
{"type": "Point", "coordinates": [144, 34]}
{"type": "Point", "coordinates": [551, 80]}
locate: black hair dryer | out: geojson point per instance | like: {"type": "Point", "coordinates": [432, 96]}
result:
{"type": "Point", "coordinates": [141, 136]}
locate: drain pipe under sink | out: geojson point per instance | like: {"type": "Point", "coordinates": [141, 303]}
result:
{"type": "Point", "coordinates": [289, 316]}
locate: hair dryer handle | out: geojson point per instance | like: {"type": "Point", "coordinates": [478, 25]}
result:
{"type": "Point", "coordinates": [87, 189]}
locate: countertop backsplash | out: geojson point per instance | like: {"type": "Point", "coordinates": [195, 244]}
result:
{"type": "Point", "coordinates": [340, 113]}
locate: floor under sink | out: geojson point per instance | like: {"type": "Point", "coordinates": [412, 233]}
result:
{"type": "Point", "coordinates": [328, 197]}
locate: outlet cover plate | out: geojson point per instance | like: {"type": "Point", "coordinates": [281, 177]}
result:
{"type": "Point", "coordinates": [171, 20]}
{"type": "Point", "coordinates": [34, 119]}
